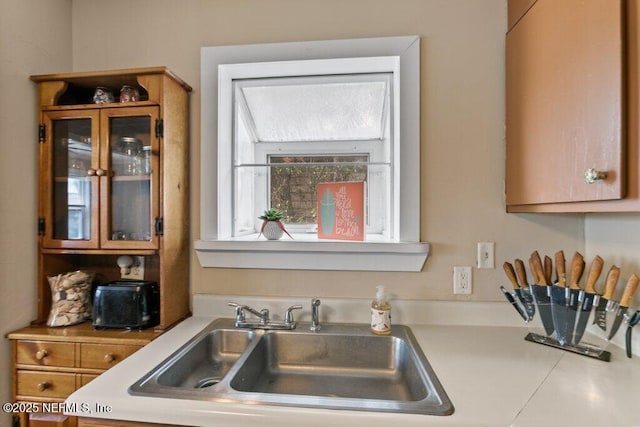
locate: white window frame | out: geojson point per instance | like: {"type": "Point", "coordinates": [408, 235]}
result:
{"type": "Point", "coordinates": [404, 252]}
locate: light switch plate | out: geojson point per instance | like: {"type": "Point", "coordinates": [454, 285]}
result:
{"type": "Point", "coordinates": [486, 255]}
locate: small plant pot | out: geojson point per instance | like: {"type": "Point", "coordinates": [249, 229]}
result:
{"type": "Point", "coordinates": [272, 231]}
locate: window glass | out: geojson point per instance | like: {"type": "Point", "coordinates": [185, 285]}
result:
{"type": "Point", "coordinates": [316, 111]}
{"type": "Point", "coordinates": [293, 186]}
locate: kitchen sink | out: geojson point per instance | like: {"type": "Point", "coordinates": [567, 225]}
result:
{"type": "Point", "coordinates": [343, 366]}
{"type": "Point", "coordinates": [207, 360]}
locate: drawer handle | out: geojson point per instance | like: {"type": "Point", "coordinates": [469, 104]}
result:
{"type": "Point", "coordinates": [41, 354]}
{"type": "Point", "coordinates": [591, 175]}
{"type": "Point", "coordinates": [43, 386]}
{"type": "Point", "coordinates": [109, 357]}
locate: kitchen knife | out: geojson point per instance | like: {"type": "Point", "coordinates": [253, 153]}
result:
{"type": "Point", "coordinates": [577, 268]}
{"type": "Point", "coordinates": [513, 302]}
{"type": "Point", "coordinates": [633, 321]}
{"type": "Point", "coordinates": [560, 295]}
{"type": "Point", "coordinates": [511, 275]}
{"type": "Point", "coordinates": [586, 299]}
{"type": "Point", "coordinates": [525, 290]}
{"type": "Point", "coordinates": [548, 269]}
{"type": "Point", "coordinates": [540, 293]}
{"type": "Point", "coordinates": [629, 290]}
{"type": "Point", "coordinates": [600, 317]}
{"type": "Point", "coordinates": [560, 268]}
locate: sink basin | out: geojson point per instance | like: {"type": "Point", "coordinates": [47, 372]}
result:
{"type": "Point", "coordinates": [340, 367]}
{"type": "Point", "coordinates": [207, 360]}
{"type": "Point", "coordinates": [364, 367]}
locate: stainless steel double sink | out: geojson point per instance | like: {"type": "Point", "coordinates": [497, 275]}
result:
{"type": "Point", "coordinates": [344, 366]}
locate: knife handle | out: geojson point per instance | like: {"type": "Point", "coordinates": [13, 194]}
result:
{"type": "Point", "coordinates": [612, 280]}
{"type": "Point", "coordinates": [536, 267]}
{"type": "Point", "coordinates": [629, 290]}
{"type": "Point", "coordinates": [522, 273]}
{"type": "Point", "coordinates": [548, 269]}
{"type": "Point", "coordinates": [511, 274]}
{"type": "Point", "coordinates": [560, 269]}
{"type": "Point", "coordinates": [594, 273]}
{"type": "Point", "coordinates": [577, 268]}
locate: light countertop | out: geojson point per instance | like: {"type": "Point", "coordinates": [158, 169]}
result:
{"type": "Point", "coordinates": [491, 374]}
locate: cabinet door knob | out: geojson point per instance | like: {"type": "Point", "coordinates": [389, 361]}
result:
{"type": "Point", "coordinates": [591, 175]}
{"type": "Point", "coordinates": [43, 386]}
{"type": "Point", "coordinates": [109, 357]}
{"type": "Point", "coordinates": [91, 172]}
{"type": "Point", "coordinates": [101, 172]}
{"type": "Point", "coordinates": [41, 354]}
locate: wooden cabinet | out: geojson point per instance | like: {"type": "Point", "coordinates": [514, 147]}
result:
{"type": "Point", "coordinates": [113, 180]}
{"type": "Point", "coordinates": [516, 10]}
{"type": "Point", "coordinates": [98, 179]}
{"type": "Point", "coordinates": [51, 363]}
{"type": "Point", "coordinates": [571, 106]}
{"type": "Point", "coordinates": [98, 422]}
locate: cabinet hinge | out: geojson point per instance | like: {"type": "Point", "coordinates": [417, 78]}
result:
{"type": "Point", "coordinates": [42, 133]}
{"type": "Point", "coordinates": [159, 226]}
{"type": "Point", "coordinates": [41, 226]}
{"type": "Point", "coordinates": [159, 128]}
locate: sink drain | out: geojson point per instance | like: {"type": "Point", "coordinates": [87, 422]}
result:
{"type": "Point", "coordinates": [207, 382]}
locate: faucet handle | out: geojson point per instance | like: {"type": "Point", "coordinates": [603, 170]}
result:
{"type": "Point", "coordinates": [239, 311]}
{"type": "Point", "coordinates": [288, 315]}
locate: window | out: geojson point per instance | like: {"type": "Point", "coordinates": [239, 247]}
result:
{"type": "Point", "coordinates": [291, 133]}
{"type": "Point", "coordinates": [272, 129]}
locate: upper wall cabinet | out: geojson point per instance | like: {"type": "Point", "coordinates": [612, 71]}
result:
{"type": "Point", "coordinates": [517, 9]}
{"type": "Point", "coordinates": [571, 106]}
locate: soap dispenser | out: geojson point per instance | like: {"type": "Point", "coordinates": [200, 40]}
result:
{"type": "Point", "coordinates": [380, 313]}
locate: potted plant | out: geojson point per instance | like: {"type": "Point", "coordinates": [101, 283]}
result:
{"type": "Point", "coordinates": [272, 226]}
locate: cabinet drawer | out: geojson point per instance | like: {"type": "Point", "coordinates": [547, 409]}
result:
{"type": "Point", "coordinates": [104, 356]}
{"type": "Point", "coordinates": [86, 379]}
{"type": "Point", "coordinates": [45, 353]}
{"type": "Point", "coordinates": [45, 384]}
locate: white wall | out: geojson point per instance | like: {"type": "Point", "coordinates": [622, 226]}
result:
{"type": "Point", "coordinates": [35, 38]}
{"type": "Point", "coordinates": [462, 123]}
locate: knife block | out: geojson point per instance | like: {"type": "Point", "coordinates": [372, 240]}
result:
{"type": "Point", "coordinates": [542, 330]}
{"type": "Point", "coordinates": [584, 348]}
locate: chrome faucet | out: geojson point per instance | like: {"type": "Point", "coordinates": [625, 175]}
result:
{"type": "Point", "coordinates": [315, 315]}
{"type": "Point", "coordinates": [263, 315]}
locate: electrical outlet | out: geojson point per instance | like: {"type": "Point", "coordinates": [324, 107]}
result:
{"type": "Point", "coordinates": [462, 280]}
{"type": "Point", "coordinates": [136, 272]}
{"type": "Point", "coordinates": [486, 255]}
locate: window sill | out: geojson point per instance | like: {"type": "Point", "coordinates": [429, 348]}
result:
{"type": "Point", "coordinates": [305, 254]}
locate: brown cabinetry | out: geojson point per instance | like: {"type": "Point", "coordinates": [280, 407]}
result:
{"type": "Point", "coordinates": [114, 181]}
{"type": "Point", "coordinates": [571, 106]}
{"type": "Point", "coordinates": [51, 363]}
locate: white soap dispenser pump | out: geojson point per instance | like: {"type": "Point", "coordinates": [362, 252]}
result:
{"type": "Point", "coordinates": [380, 313]}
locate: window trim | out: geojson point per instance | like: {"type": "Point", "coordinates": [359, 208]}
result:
{"type": "Point", "coordinates": [406, 253]}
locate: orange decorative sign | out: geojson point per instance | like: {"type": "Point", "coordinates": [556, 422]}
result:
{"type": "Point", "coordinates": [341, 210]}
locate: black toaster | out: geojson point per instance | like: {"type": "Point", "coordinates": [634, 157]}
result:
{"type": "Point", "coordinates": [130, 304]}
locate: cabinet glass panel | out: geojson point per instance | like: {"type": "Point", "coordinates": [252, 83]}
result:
{"type": "Point", "coordinates": [130, 193]}
{"type": "Point", "coordinates": [72, 153]}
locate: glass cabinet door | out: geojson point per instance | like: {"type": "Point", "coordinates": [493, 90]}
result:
{"type": "Point", "coordinates": [70, 156]}
{"type": "Point", "coordinates": [129, 190]}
